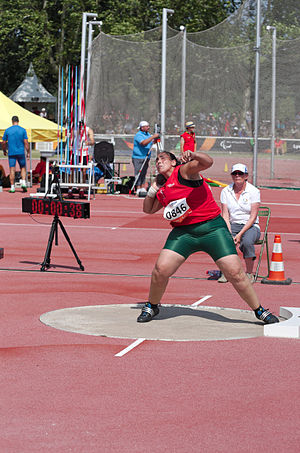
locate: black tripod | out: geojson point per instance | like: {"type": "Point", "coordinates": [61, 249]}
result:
{"type": "Point", "coordinates": [56, 221]}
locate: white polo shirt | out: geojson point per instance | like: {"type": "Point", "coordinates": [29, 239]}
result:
{"type": "Point", "coordinates": [239, 210]}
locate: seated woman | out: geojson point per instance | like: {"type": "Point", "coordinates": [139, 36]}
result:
{"type": "Point", "coordinates": [2, 175]}
{"type": "Point", "coordinates": [240, 202]}
{"type": "Point", "coordinates": [39, 170]}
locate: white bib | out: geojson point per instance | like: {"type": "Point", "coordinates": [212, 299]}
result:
{"type": "Point", "coordinates": [177, 210]}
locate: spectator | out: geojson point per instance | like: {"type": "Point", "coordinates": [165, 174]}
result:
{"type": "Point", "coordinates": [83, 155]}
{"type": "Point", "coordinates": [39, 170]}
{"type": "Point", "coordinates": [240, 202]}
{"type": "Point", "coordinates": [15, 140]}
{"type": "Point", "coordinates": [141, 154]}
{"type": "Point", "coordinates": [188, 138]}
{"type": "Point", "coordinates": [43, 113]}
{"type": "Point", "coordinates": [278, 145]}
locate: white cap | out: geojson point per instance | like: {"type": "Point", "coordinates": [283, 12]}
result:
{"type": "Point", "coordinates": [239, 167]}
{"type": "Point", "coordinates": [143, 123]}
{"type": "Point", "coordinates": [189, 124]}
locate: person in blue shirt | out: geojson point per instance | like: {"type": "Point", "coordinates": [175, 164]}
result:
{"type": "Point", "coordinates": [15, 141]}
{"type": "Point", "coordinates": [142, 144]}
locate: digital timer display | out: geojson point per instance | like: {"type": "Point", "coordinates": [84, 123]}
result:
{"type": "Point", "coordinates": [65, 208]}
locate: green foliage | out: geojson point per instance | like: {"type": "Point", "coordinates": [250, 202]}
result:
{"type": "Point", "coordinates": [48, 32]}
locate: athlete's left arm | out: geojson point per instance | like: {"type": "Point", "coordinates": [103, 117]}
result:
{"type": "Point", "coordinates": [195, 162]}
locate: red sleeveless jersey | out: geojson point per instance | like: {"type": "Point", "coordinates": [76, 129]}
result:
{"type": "Point", "coordinates": [199, 199]}
{"type": "Point", "coordinates": [189, 141]}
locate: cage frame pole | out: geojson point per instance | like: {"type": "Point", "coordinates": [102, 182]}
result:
{"type": "Point", "coordinates": [163, 75]}
{"type": "Point", "coordinates": [256, 100]}
{"type": "Point", "coordinates": [85, 15]}
{"type": "Point", "coordinates": [183, 76]}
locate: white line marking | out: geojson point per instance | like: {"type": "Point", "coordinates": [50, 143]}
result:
{"type": "Point", "coordinates": [195, 304]}
{"type": "Point", "coordinates": [283, 204]}
{"type": "Point", "coordinates": [119, 227]}
{"type": "Point", "coordinates": [131, 346]}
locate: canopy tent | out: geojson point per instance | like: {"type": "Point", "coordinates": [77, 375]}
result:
{"type": "Point", "coordinates": [31, 90]}
{"type": "Point", "coordinates": [38, 129]}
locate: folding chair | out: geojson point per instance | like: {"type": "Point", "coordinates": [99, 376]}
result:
{"type": "Point", "coordinates": [263, 211]}
{"type": "Point", "coordinates": [104, 155]}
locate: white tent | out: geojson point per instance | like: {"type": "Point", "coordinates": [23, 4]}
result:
{"type": "Point", "coordinates": [31, 90]}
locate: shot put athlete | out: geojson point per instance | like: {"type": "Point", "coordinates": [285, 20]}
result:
{"type": "Point", "coordinates": [197, 226]}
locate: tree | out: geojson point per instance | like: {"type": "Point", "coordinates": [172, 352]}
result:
{"type": "Point", "coordinates": [48, 32]}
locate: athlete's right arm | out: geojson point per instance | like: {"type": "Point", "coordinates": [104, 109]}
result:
{"type": "Point", "coordinates": [151, 203]}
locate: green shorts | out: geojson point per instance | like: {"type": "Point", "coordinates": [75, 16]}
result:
{"type": "Point", "coordinates": [212, 237]}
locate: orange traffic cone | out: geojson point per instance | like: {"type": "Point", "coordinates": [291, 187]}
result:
{"type": "Point", "coordinates": [276, 276]}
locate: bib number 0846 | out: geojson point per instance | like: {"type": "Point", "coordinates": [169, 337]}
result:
{"type": "Point", "coordinates": [176, 212]}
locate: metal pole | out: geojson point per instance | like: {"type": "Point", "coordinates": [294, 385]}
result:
{"type": "Point", "coordinates": [273, 99]}
{"type": "Point", "coordinates": [183, 76]}
{"type": "Point", "coordinates": [90, 37]}
{"type": "Point", "coordinates": [256, 104]}
{"type": "Point", "coordinates": [82, 58]}
{"type": "Point", "coordinates": [163, 74]}
{"type": "Point", "coordinates": [30, 163]}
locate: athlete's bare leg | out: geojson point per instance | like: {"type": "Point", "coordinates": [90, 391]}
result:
{"type": "Point", "coordinates": [231, 267]}
{"type": "Point", "coordinates": [166, 265]}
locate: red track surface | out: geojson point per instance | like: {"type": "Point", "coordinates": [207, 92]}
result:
{"type": "Point", "coordinates": [65, 392]}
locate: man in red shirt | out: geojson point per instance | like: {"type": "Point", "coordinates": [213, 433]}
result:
{"type": "Point", "coordinates": [188, 138]}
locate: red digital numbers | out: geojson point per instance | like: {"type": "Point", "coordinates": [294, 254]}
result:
{"type": "Point", "coordinates": [79, 210]}
{"type": "Point", "coordinates": [34, 206]}
{"type": "Point", "coordinates": [72, 210]}
{"type": "Point", "coordinates": [55, 208]}
{"type": "Point", "coordinates": [59, 208]}
{"type": "Point", "coordinates": [41, 207]}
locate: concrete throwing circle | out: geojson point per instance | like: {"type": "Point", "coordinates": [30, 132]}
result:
{"type": "Point", "coordinates": [174, 322]}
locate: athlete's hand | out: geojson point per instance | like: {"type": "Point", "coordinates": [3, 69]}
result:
{"type": "Point", "coordinates": [5, 153]}
{"type": "Point", "coordinates": [159, 181]}
{"type": "Point", "coordinates": [186, 156]}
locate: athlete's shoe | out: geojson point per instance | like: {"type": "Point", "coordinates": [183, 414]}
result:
{"type": "Point", "coordinates": [148, 312]}
{"type": "Point", "coordinates": [263, 314]}
{"type": "Point", "coordinates": [222, 279]}
{"type": "Point", "coordinates": [24, 188]}
{"type": "Point", "coordinates": [12, 190]}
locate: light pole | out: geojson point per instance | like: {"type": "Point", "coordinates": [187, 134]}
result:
{"type": "Point", "coordinates": [163, 74]}
{"type": "Point", "coordinates": [273, 111]}
{"type": "Point", "coordinates": [90, 37]}
{"type": "Point", "coordinates": [82, 59]}
{"type": "Point", "coordinates": [183, 75]}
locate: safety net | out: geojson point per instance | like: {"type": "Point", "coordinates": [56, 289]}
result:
{"type": "Point", "coordinates": [220, 67]}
